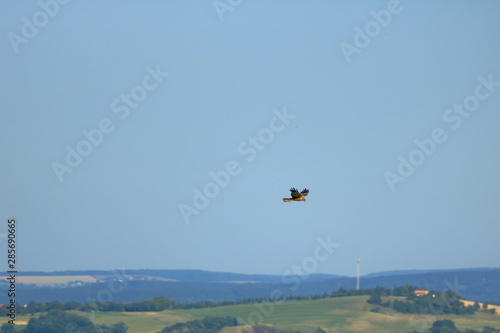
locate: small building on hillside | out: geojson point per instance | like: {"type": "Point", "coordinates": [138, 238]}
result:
{"type": "Point", "coordinates": [421, 292]}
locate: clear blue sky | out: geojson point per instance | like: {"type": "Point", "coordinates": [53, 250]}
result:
{"type": "Point", "coordinates": [182, 89]}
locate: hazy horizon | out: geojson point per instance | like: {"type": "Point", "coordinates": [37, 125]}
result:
{"type": "Point", "coordinates": [125, 271]}
{"type": "Point", "coordinates": [164, 135]}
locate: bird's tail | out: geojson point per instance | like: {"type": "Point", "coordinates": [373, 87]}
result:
{"type": "Point", "coordinates": [287, 200]}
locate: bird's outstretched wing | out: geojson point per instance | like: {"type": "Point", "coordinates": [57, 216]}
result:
{"type": "Point", "coordinates": [304, 192]}
{"type": "Point", "coordinates": [295, 193]}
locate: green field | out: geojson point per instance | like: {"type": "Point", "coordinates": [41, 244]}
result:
{"type": "Point", "coordinates": [340, 315]}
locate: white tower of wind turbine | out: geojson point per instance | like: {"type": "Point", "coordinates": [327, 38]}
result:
{"type": "Point", "coordinates": [358, 262]}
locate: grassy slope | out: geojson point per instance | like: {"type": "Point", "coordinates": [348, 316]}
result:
{"type": "Point", "coordinates": [347, 314]}
{"type": "Point", "coordinates": [340, 315]}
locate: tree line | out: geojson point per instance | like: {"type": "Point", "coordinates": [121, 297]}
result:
{"type": "Point", "coordinates": [206, 325]}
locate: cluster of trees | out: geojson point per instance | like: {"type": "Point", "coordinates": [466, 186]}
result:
{"type": "Point", "coordinates": [447, 302]}
{"type": "Point", "coordinates": [484, 307]}
{"type": "Point", "coordinates": [448, 326]}
{"type": "Point", "coordinates": [206, 325]}
{"type": "Point", "coordinates": [405, 291]}
{"type": "Point", "coordinates": [270, 329]}
{"type": "Point", "coordinates": [59, 321]}
{"type": "Point", "coordinates": [155, 304]}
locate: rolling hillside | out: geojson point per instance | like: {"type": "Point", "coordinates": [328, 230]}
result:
{"type": "Point", "coordinates": [340, 315]}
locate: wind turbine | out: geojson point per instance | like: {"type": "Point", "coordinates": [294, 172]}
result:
{"type": "Point", "coordinates": [358, 262]}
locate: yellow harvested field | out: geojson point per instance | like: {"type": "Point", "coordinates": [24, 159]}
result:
{"type": "Point", "coordinates": [481, 304]}
{"type": "Point", "coordinates": [50, 280]}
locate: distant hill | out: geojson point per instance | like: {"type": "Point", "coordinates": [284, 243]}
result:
{"type": "Point", "coordinates": [423, 271]}
{"type": "Point", "coordinates": [197, 285]}
{"type": "Point", "coordinates": [482, 284]}
{"type": "Point", "coordinates": [180, 275]}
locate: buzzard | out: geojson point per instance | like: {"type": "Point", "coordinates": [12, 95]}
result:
{"type": "Point", "coordinates": [296, 195]}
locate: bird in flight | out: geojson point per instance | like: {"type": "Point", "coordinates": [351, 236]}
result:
{"type": "Point", "coordinates": [296, 195]}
